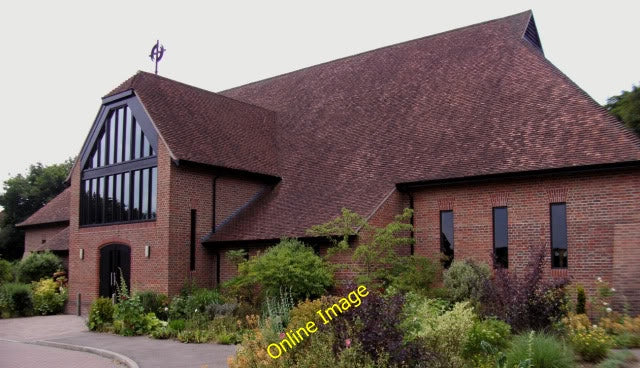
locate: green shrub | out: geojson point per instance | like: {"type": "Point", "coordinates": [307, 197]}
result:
{"type": "Point", "coordinates": [161, 333]}
{"type": "Point", "coordinates": [6, 271]}
{"type": "Point", "coordinates": [16, 300]}
{"type": "Point", "coordinates": [618, 359]}
{"type": "Point", "coordinates": [626, 340]}
{"type": "Point", "coordinates": [466, 279]}
{"type": "Point", "coordinates": [176, 325]}
{"type": "Point", "coordinates": [289, 265]}
{"type": "Point", "coordinates": [591, 344]}
{"type": "Point", "coordinates": [199, 304]}
{"type": "Point", "coordinates": [419, 311]}
{"type": "Point", "coordinates": [48, 297]}
{"type": "Point", "coordinates": [545, 351]}
{"type": "Point", "coordinates": [100, 314]}
{"type": "Point", "coordinates": [195, 336]}
{"type": "Point", "coordinates": [156, 303]}
{"type": "Point", "coordinates": [581, 302]}
{"type": "Point", "coordinates": [492, 331]}
{"type": "Point", "coordinates": [129, 318]}
{"type": "Point", "coordinates": [447, 333]}
{"type": "Point", "coordinates": [416, 274]}
{"type": "Point", "coordinates": [37, 266]}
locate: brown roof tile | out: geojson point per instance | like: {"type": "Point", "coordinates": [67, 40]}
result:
{"type": "Point", "coordinates": [60, 241]}
{"type": "Point", "coordinates": [56, 210]}
{"type": "Point", "coordinates": [474, 101]}
{"type": "Point", "coordinates": [206, 127]}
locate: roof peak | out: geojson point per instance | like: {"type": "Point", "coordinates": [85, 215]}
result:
{"type": "Point", "coordinates": [528, 12]}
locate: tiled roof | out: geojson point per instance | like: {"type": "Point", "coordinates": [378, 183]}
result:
{"type": "Point", "coordinates": [60, 241]}
{"type": "Point", "coordinates": [56, 210]}
{"type": "Point", "coordinates": [205, 127]}
{"type": "Point", "coordinates": [475, 101]}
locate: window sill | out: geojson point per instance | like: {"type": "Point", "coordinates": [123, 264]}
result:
{"type": "Point", "coordinates": [560, 272]}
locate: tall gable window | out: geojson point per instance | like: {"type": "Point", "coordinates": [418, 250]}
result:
{"type": "Point", "coordinates": [559, 241]}
{"type": "Point", "coordinates": [119, 178]}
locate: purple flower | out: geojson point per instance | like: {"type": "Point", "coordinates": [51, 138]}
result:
{"type": "Point", "coordinates": [347, 342]}
{"type": "Point", "coordinates": [282, 335]}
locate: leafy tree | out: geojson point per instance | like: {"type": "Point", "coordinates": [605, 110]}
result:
{"type": "Point", "coordinates": [626, 107]}
{"type": "Point", "coordinates": [24, 195]}
{"type": "Point", "coordinates": [377, 253]}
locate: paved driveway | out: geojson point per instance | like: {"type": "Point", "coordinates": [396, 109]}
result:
{"type": "Point", "coordinates": [68, 329]}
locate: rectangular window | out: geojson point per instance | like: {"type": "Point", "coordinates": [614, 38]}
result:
{"type": "Point", "coordinates": [120, 140]}
{"type": "Point", "coordinates": [192, 248]}
{"type": "Point", "coordinates": [108, 204]}
{"type": "Point", "coordinates": [94, 198]}
{"type": "Point", "coordinates": [112, 140]}
{"type": "Point", "coordinates": [500, 237]}
{"type": "Point", "coordinates": [559, 241]}
{"type": "Point", "coordinates": [135, 205]}
{"type": "Point", "coordinates": [136, 142]}
{"type": "Point", "coordinates": [126, 197]}
{"type": "Point", "coordinates": [446, 237]}
{"type": "Point", "coordinates": [117, 203]}
{"type": "Point", "coordinates": [154, 191]}
{"type": "Point", "coordinates": [145, 194]}
{"type": "Point", "coordinates": [127, 135]}
{"type": "Point", "coordinates": [146, 148]}
{"type": "Point", "coordinates": [103, 148]}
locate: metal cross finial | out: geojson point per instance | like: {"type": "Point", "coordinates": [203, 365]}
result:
{"type": "Point", "coordinates": [156, 53]}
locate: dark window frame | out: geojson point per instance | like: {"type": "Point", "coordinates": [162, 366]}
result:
{"type": "Point", "coordinates": [447, 263]}
{"type": "Point", "coordinates": [496, 258]}
{"type": "Point", "coordinates": [102, 208]}
{"type": "Point", "coordinates": [563, 261]}
{"type": "Point", "coordinates": [192, 241]}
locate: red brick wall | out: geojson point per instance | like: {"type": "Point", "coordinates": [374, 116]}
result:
{"type": "Point", "coordinates": [626, 265]}
{"type": "Point", "coordinates": [33, 236]}
{"type": "Point", "coordinates": [232, 193]}
{"type": "Point", "coordinates": [597, 206]}
{"type": "Point", "coordinates": [190, 189]}
{"type": "Point", "coordinates": [146, 273]}
{"type": "Point", "coordinates": [180, 189]}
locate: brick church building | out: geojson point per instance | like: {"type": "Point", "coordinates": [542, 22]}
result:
{"type": "Point", "coordinates": [495, 149]}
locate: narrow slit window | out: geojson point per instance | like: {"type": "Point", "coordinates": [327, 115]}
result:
{"type": "Point", "coordinates": [192, 244]}
{"type": "Point", "coordinates": [500, 237]}
{"type": "Point", "coordinates": [559, 242]}
{"type": "Point", "coordinates": [446, 237]}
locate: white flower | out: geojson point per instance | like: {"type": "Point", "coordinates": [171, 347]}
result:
{"type": "Point", "coordinates": [605, 303]}
{"type": "Point", "coordinates": [609, 310]}
{"type": "Point", "coordinates": [595, 326]}
{"type": "Point", "coordinates": [613, 290]}
{"type": "Point", "coordinates": [166, 309]}
{"type": "Point", "coordinates": [599, 279]}
{"type": "Point", "coordinates": [196, 310]}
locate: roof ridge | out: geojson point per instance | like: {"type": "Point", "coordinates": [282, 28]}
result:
{"type": "Point", "coordinates": [143, 73]}
{"type": "Point", "coordinates": [381, 48]}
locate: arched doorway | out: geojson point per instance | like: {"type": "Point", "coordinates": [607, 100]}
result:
{"type": "Point", "coordinates": [113, 258]}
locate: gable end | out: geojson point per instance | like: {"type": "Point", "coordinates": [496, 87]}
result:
{"type": "Point", "coordinates": [531, 34]}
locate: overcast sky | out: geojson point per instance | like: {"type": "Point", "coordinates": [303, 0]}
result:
{"type": "Point", "coordinates": [58, 58]}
